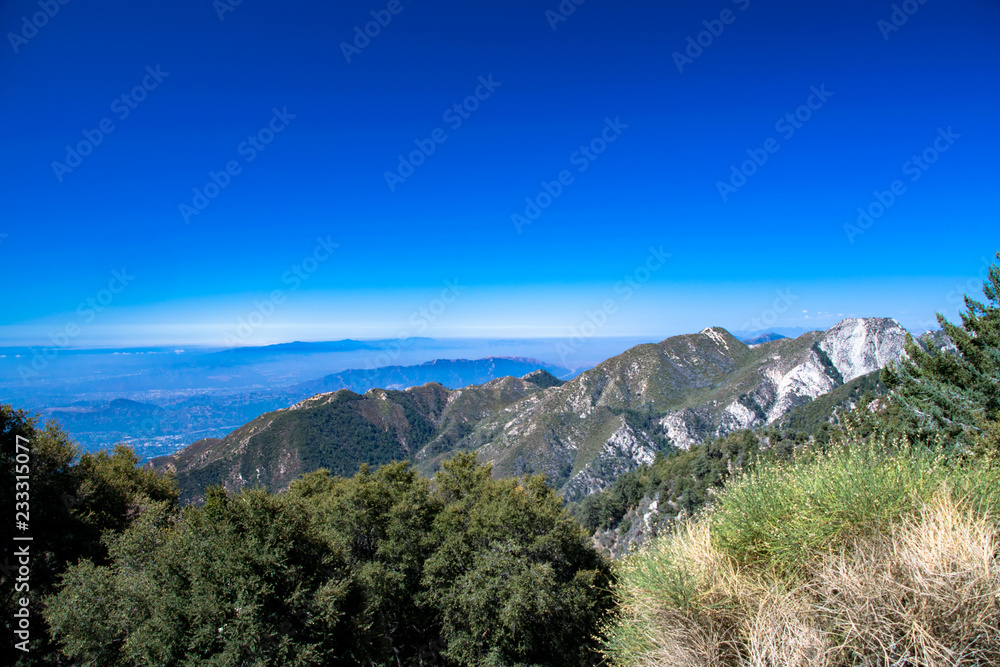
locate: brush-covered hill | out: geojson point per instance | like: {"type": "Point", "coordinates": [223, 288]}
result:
{"type": "Point", "coordinates": [581, 434]}
{"type": "Point", "coordinates": [340, 431]}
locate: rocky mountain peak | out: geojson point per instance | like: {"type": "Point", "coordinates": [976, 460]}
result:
{"type": "Point", "coordinates": [858, 346]}
{"type": "Point", "coordinates": [542, 378]}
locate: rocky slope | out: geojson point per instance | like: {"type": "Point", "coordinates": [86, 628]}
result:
{"type": "Point", "coordinates": [581, 434]}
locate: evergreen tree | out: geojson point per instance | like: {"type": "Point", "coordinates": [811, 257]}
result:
{"type": "Point", "coordinates": [76, 500]}
{"type": "Point", "coordinates": [951, 392]}
{"type": "Point", "coordinates": [384, 569]}
{"type": "Point", "coordinates": [244, 580]}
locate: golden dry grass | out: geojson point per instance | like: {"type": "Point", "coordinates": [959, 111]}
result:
{"type": "Point", "coordinates": [924, 593]}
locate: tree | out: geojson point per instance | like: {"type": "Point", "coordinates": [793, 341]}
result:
{"type": "Point", "coordinates": [245, 580]}
{"type": "Point", "coordinates": [385, 568]}
{"type": "Point", "coordinates": [75, 501]}
{"type": "Point", "coordinates": [382, 522]}
{"type": "Point", "coordinates": [513, 577]}
{"type": "Point", "coordinates": [951, 392]}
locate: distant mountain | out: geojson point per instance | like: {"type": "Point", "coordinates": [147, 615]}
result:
{"type": "Point", "coordinates": [781, 332]}
{"type": "Point", "coordinates": [451, 373]}
{"type": "Point", "coordinates": [166, 425]}
{"type": "Point", "coordinates": [581, 434]}
{"type": "Point", "coordinates": [936, 340]}
{"type": "Point", "coordinates": [120, 414]}
{"type": "Point", "coordinates": [299, 347]}
{"type": "Point", "coordinates": [242, 356]}
{"type": "Point", "coordinates": [762, 338]}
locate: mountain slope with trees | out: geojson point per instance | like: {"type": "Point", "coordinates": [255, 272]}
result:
{"type": "Point", "coordinates": [580, 434]}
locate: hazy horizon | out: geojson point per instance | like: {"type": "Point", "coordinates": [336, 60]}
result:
{"type": "Point", "coordinates": [499, 170]}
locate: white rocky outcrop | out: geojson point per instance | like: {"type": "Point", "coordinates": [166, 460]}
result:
{"type": "Point", "coordinates": [679, 429]}
{"type": "Point", "coordinates": [852, 348]}
{"type": "Point", "coordinates": [858, 346]}
{"type": "Point", "coordinates": [805, 381]}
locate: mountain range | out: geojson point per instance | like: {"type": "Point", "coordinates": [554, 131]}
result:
{"type": "Point", "coordinates": [581, 434]}
{"type": "Point", "coordinates": [154, 426]}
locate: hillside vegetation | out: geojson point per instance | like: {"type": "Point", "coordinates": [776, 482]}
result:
{"type": "Point", "coordinates": [382, 568]}
{"type": "Point", "coordinates": [866, 555]}
{"type": "Point", "coordinates": [643, 502]}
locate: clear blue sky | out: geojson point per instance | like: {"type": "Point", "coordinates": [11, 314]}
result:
{"type": "Point", "coordinates": [212, 83]}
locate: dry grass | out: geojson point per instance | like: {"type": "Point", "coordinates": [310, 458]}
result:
{"type": "Point", "coordinates": [927, 594]}
{"type": "Point", "coordinates": [922, 591]}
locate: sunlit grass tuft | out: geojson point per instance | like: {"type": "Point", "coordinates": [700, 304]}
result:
{"type": "Point", "coordinates": [876, 553]}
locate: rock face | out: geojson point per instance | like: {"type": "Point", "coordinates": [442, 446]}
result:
{"type": "Point", "coordinates": [581, 434]}
{"type": "Point", "coordinates": [786, 373]}
{"type": "Point", "coordinates": [858, 347]}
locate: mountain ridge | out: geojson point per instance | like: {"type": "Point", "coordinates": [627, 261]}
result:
{"type": "Point", "coordinates": [581, 434]}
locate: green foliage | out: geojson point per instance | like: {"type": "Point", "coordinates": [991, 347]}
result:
{"type": "Point", "coordinates": [951, 392]}
{"type": "Point", "coordinates": [245, 580]}
{"type": "Point", "coordinates": [815, 416]}
{"type": "Point", "coordinates": [383, 568]}
{"type": "Point", "coordinates": [512, 576]}
{"type": "Point", "coordinates": [113, 488]}
{"type": "Point", "coordinates": [382, 522]}
{"type": "Point", "coordinates": [683, 479]}
{"type": "Point", "coordinates": [75, 501]}
{"type": "Point", "coordinates": [863, 554]}
{"type": "Point", "coordinates": [338, 435]}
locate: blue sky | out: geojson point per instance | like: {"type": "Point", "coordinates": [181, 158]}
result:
{"type": "Point", "coordinates": [309, 239]}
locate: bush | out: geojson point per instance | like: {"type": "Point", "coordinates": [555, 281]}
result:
{"type": "Point", "coordinates": [384, 568]}
{"type": "Point", "coordinates": [244, 581]}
